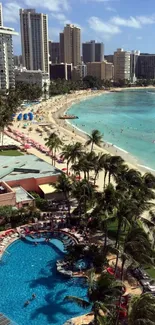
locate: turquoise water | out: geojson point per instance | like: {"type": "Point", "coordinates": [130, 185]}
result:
{"type": "Point", "coordinates": [29, 269]}
{"type": "Point", "coordinates": [126, 118]}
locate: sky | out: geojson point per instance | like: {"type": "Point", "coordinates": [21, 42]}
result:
{"type": "Point", "coordinates": [129, 24]}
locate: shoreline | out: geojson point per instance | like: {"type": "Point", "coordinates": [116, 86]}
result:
{"type": "Point", "coordinates": [130, 160]}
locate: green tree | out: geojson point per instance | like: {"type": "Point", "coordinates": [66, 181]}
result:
{"type": "Point", "coordinates": [94, 138]}
{"type": "Point", "coordinates": [64, 185]}
{"type": "Point", "coordinates": [142, 310]}
{"type": "Point", "coordinates": [53, 143]}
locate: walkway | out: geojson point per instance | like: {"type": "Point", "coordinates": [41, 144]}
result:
{"type": "Point", "coordinates": [4, 320]}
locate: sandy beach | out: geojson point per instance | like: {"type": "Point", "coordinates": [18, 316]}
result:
{"type": "Point", "coordinates": [46, 121]}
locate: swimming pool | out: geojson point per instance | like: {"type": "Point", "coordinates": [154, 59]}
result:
{"type": "Point", "coordinates": [28, 269]}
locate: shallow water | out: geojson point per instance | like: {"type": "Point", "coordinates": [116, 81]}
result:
{"type": "Point", "coordinates": [126, 119]}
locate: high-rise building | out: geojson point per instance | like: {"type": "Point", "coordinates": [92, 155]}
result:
{"type": "Point", "coordinates": [34, 39]}
{"type": "Point", "coordinates": [145, 67]}
{"type": "Point", "coordinates": [18, 60]}
{"type": "Point", "coordinates": [54, 52]}
{"type": "Point", "coordinates": [61, 71]}
{"type": "Point", "coordinates": [92, 52]}
{"type": "Point", "coordinates": [133, 65]}
{"type": "Point", "coordinates": [1, 15]}
{"type": "Point", "coordinates": [7, 78]}
{"type": "Point", "coordinates": [72, 45]}
{"type": "Point", "coordinates": [109, 58]}
{"type": "Point", "coordinates": [121, 65]}
{"type": "Point", "coordinates": [62, 60]}
{"type": "Point", "coordinates": [102, 70]}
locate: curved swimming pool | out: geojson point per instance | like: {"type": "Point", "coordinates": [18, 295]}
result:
{"type": "Point", "coordinates": [26, 269]}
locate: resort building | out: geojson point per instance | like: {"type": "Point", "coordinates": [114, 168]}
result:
{"type": "Point", "coordinates": [7, 78]}
{"type": "Point", "coordinates": [61, 36]}
{"type": "Point", "coordinates": [61, 71]}
{"type": "Point", "coordinates": [23, 174]}
{"type": "Point", "coordinates": [145, 66]}
{"type": "Point", "coordinates": [121, 65]}
{"type": "Point", "coordinates": [109, 58]}
{"type": "Point", "coordinates": [34, 40]}
{"type": "Point", "coordinates": [18, 61]}
{"type": "Point", "coordinates": [92, 52]}
{"type": "Point", "coordinates": [54, 52]}
{"type": "Point", "coordinates": [38, 78]}
{"type": "Point", "coordinates": [134, 57]}
{"type": "Point", "coordinates": [101, 70]}
{"type": "Point", "coordinates": [82, 70]}
{"type": "Point", "coordinates": [72, 45]}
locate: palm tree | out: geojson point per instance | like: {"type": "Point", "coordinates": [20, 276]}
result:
{"type": "Point", "coordinates": [53, 143]}
{"type": "Point", "coordinates": [115, 166]}
{"type": "Point", "coordinates": [64, 185]}
{"type": "Point", "coordinates": [66, 153]}
{"type": "Point", "coordinates": [72, 152]}
{"type": "Point", "coordinates": [83, 191]}
{"type": "Point", "coordinates": [103, 293]}
{"type": "Point", "coordinates": [94, 138]}
{"type": "Point", "coordinates": [142, 310]}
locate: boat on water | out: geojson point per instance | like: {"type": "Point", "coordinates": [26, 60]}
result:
{"type": "Point", "coordinates": [69, 117]}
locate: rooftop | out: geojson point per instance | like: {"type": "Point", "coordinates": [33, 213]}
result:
{"type": "Point", "coordinates": [22, 195]}
{"type": "Point", "coordinates": [26, 166]}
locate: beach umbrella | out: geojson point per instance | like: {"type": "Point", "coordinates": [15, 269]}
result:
{"type": "Point", "coordinates": [78, 177]}
{"type": "Point", "coordinates": [27, 146]}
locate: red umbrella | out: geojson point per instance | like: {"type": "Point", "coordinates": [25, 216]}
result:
{"type": "Point", "coordinates": [64, 169]}
{"type": "Point", "coordinates": [78, 177]}
{"type": "Point", "coordinates": [27, 146]}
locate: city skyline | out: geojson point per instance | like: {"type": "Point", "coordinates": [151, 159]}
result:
{"type": "Point", "coordinates": [116, 23]}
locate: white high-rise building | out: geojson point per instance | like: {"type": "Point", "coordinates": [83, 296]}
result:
{"type": "Point", "coordinates": [72, 45]}
{"type": "Point", "coordinates": [7, 78]}
{"type": "Point", "coordinates": [34, 40]}
{"type": "Point", "coordinates": [1, 15]}
{"type": "Point", "coordinates": [121, 65]}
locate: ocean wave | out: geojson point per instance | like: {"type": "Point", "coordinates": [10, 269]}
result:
{"type": "Point", "coordinates": [121, 149]}
{"type": "Point", "coordinates": [146, 167]}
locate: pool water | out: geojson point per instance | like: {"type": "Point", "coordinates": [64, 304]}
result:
{"type": "Point", "coordinates": [28, 269]}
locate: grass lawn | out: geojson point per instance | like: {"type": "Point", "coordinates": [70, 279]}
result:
{"type": "Point", "coordinates": [151, 272]}
{"type": "Point", "coordinates": [10, 153]}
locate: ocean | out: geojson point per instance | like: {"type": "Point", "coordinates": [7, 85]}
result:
{"type": "Point", "coordinates": [126, 119]}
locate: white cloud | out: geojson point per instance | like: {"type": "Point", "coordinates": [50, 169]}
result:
{"type": "Point", "coordinates": [146, 20]}
{"type": "Point", "coordinates": [51, 5]}
{"type": "Point", "coordinates": [110, 9]}
{"type": "Point", "coordinates": [62, 19]}
{"type": "Point", "coordinates": [131, 22]}
{"type": "Point", "coordinates": [105, 28]}
{"type": "Point", "coordinates": [11, 12]}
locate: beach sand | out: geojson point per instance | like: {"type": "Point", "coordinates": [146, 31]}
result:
{"type": "Point", "coordinates": [50, 111]}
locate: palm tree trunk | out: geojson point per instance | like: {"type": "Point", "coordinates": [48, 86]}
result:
{"type": "Point", "coordinates": [118, 232]}
{"type": "Point", "coordinates": [2, 136]}
{"type": "Point", "coordinates": [109, 177]}
{"type": "Point", "coordinates": [67, 166]}
{"type": "Point", "coordinates": [122, 268]}
{"type": "Point", "coordinates": [92, 146]}
{"type": "Point", "coordinates": [105, 175]}
{"type": "Point", "coordinates": [95, 178]}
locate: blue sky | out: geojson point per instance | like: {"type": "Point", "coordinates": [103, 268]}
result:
{"type": "Point", "coordinates": [118, 23]}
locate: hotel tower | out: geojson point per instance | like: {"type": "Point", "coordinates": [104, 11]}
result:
{"type": "Point", "coordinates": [34, 40]}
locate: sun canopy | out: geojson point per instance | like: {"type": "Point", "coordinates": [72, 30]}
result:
{"type": "Point", "coordinates": [47, 188]}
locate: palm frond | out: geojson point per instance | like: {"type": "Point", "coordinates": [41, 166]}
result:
{"type": "Point", "coordinates": [80, 302]}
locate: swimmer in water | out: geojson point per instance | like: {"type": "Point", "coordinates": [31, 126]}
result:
{"type": "Point", "coordinates": [26, 303]}
{"type": "Point", "coordinates": [33, 296]}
